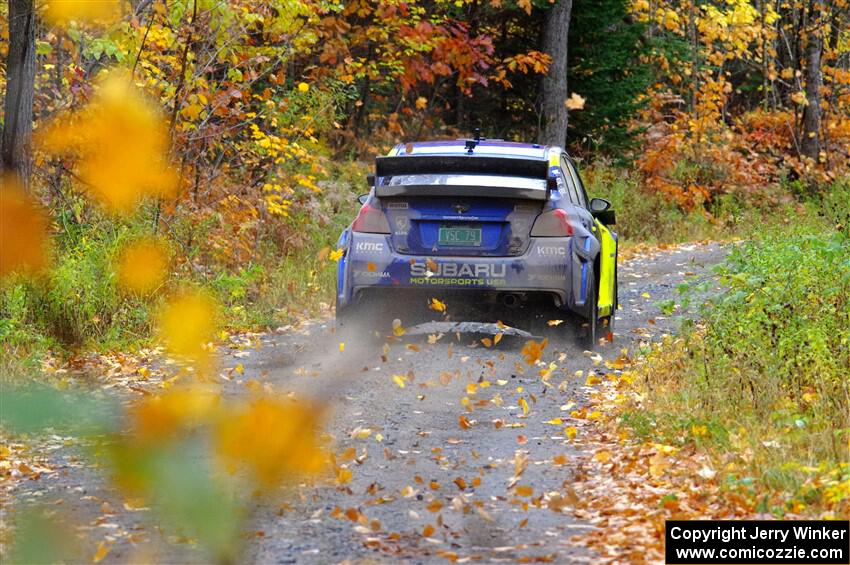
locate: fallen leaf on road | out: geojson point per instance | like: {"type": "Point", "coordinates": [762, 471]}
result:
{"type": "Point", "coordinates": [533, 350]}
{"type": "Point", "coordinates": [102, 551]}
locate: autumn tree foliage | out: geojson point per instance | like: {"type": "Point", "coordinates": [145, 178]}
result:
{"type": "Point", "coordinates": [749, 94]}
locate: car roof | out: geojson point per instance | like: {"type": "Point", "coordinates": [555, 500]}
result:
{"type": "Point", "coordinates": [485, 147]}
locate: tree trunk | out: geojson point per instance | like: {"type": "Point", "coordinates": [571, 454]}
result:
{"type": "Point", "coordinates": [20, 76]}
{"type": "Point", "coordinates": [814, 81]}
{"type": "Point", "coordinates": [555, 33]}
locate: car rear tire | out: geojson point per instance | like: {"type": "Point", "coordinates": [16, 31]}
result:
{"type": "Point", "coordinates": [607, 323]}
{"type": "Point", "coordinates": [589, 331]}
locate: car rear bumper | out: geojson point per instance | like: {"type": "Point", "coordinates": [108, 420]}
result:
{"type": "Point", "coordinates": [555, 266]}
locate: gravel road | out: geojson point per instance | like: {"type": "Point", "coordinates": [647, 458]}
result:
{"type": "Point", "coordinates": [431, 471]}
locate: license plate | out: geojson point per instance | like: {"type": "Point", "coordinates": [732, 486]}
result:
{"type": "Point", "coordinates": [460, 236]}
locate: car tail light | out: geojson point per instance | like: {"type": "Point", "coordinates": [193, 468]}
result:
{"type": "Point", "coordinates": [371, 220]}
{"type": "Point", "coordinates": [553, 223]}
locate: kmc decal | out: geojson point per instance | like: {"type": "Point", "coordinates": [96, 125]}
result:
{"type": "Point", "coordinates": [369, 246]}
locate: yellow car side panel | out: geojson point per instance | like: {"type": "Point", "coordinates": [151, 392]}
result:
{"type": "Point", "coordinates": [607, 266]}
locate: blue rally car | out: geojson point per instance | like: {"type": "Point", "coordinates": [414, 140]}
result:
{"type": "Point", "coordinates": [486, 219]}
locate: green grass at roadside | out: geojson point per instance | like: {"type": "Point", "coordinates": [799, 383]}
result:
{"type": "Point", "coordinates": [762, 383]}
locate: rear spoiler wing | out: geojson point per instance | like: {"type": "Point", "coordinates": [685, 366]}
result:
{"type": "Point", "coordinates": [462, 175]}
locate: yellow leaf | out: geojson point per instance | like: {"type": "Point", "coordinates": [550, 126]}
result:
{"type": "Point", "coordinates": [471, 388]}
{"type": "Point", "coordinates": [398, 330]}
{"type": "Point", "coordinates": [421, 103]}
{"type": "Point", "coordinates": [657, 469]}
{"type": "Point", "coordinates": [191, 112]}
{"type": "Point", "coordinates": [547, 372]}
{"type": "Point", "coordinates": [120, 143]}
{"type": "Point", "coordinates": [574, 102]}
{"type": "Point", "coordinates": [343, 475]}
{"type": "Point", "coordinates": [239, 369]}
{"type": "Point", "coordinates": [437, 305]}
{"type": "Point", "coordinates": [157, 417]}
{"type": "Point", "coordinates": [62, 12]}
{"type": "Point", "coordinates": [524, 405]}
{"type": "Point", "coordinates": [361, 433]}
{"type": "Point", "coordinates": [341, 347]}
{"type": "Point", "coordinates": [276, 438]}
{"type": "Point", "coordinates": [102, 551]}
{"type": "Point", "coordinates": [336, 255]}
{"type": "Point", "coordinates": [603, 456]}
{"type": "Point", "coordinates": [400, 380]}
{"type": "Point", "coordinates": [570, 432]}
{"type": "Point", "coordinates": [487, 342]}
{"type": "Point", "coordinates": [555, 422]}
{"type": "Point", "coordinates": [800, 98]}
{"type": "Point", "coordinates": [186, 323]}
{"type": "Point", "coordinates": [524, 490]}
{"type": "Point", "coordinates": [303, 87]}
{"type": "Point", "coordinates": [497, 338]}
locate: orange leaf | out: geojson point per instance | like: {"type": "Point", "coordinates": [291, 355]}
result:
{"type": "Point", "coordinates": [23, 230]}
{"type": "Point", "coordinates": [524, 490]}
{"type": "Point", "coordinates": [434, 506]}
